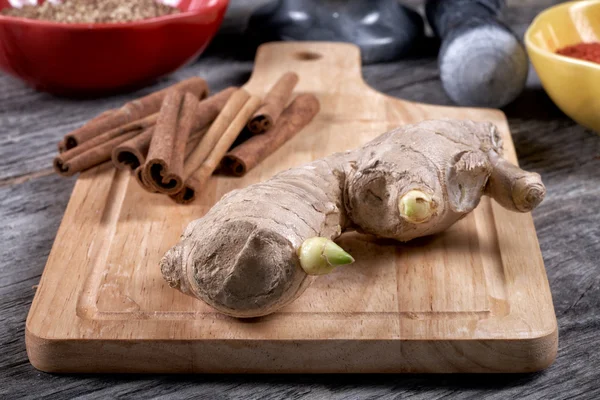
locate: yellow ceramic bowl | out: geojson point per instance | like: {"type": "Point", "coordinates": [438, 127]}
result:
{"type": "Point", "coordinates": [574, 85]}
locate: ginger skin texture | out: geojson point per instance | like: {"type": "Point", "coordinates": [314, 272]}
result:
{"type": "Point", "coordinates": [244, 256]}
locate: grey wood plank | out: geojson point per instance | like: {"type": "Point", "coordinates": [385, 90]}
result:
{"type": "Point", "coordinates": [568, 225]}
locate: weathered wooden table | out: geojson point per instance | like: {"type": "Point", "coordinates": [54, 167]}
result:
{"type": "Point", "coordinates": [33, 199]}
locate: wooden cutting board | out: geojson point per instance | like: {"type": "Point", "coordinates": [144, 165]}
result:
{"type": "Point", "coordinates": [474, 299]}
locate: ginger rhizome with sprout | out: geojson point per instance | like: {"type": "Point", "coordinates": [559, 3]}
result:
{"type": "Point", "coordinates": [260, 247]}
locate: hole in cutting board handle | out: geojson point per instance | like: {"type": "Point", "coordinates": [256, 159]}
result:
{"type": "Point", "coordinates": [307, 56]}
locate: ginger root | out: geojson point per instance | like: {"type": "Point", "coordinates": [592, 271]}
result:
{"type": "Point", "coordinates": [259, 247]}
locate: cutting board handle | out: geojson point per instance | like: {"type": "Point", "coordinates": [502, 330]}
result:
{"type": "Point", "coordinates": [322, 66]}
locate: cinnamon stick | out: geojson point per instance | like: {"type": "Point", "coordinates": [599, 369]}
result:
{"type": "Point", "coordinates": [216, 130]}
{"type": "Point", "coordinates": [212, 162]}
{"type": "Point", "coordinates": [139, 177]}
{"type": "Point", "coordinates": [294, 118]}
{"type": "Point", "coordinates": [99, 149]}
{"type": "Point", "coordinates": [132, 153]}
{"type": "Point", "coordinates": [195, 182]}
{"type": "Point", "coordinates": [93, 157]}
{"type": "Point", "coordinates": [188, 194]}
{"type": "Point", "coordinates": [274, 103]}
{"type": "Point", "coordinates": [164, 168]}
{"type": "Point", "coordinates": [131, 111]}
{"type": "Point", "coordinates": [194, 140]}
{"type": "Point", "coordinates": [62, 145]}
{"type": "Point", "coordinates": [192, 143]}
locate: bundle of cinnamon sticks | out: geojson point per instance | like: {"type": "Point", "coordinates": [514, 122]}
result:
{"type": "Point", "coordinates": [173, 140]}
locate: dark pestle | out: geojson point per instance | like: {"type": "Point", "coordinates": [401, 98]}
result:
{"type": "Point", "coordinates": [383, 29]}
{"type": "Point", "coordinates": [482, 62]}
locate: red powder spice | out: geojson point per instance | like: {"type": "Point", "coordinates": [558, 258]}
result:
{"type": "Point", "coordinates": [583, 51]}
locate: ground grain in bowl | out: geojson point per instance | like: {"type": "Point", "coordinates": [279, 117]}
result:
{"type": "Point", "coordinates": [93, 11]}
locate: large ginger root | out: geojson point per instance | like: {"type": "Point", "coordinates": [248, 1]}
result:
{"type": "Point", "coordinates": [258, 248]}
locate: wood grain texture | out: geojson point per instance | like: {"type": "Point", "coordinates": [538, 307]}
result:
{"type": "Point", "coordinates": [546, 142]}
{"type": "Point", "coordinates": [474, 299]}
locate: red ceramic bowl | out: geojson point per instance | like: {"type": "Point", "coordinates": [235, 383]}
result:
{"type": "Point", "coordinates": [99, 58]}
